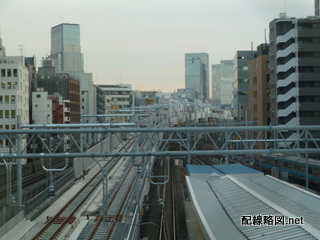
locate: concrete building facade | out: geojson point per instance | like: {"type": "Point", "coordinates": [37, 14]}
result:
{"type": "Point", "coordinates": [63, 84]}
{"type": "Point", "coordinates": [240, 84]}
{"type": "Point", "coordinates": [295, 71]}
{"type": "Point", "coordinates": [14, 95]}
{"type": "Point", "coordinates": [197, 75]}
{"type": "Point", "coordinates": [259, 86]}
{"type": "Point", "coordinates": [117, 97]}
{"type": "Point", "coordinates": [49, 109]}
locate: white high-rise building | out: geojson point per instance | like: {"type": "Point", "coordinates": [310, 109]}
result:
{"type": "Point", "coordinates": [222, 79]}
{"type": "Point", "coordinates": [14, 95]}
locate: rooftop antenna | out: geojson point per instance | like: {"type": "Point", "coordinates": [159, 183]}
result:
{"type": "Point", "coordinates": [265, 35]}
{"type": "Point", "coordinates": [21, 48]}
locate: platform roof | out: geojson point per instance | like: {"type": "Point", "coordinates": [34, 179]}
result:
{"type": "Point", "coordinates": [220, 169]}
{"type": "Point", "coordinates": [221, 202]}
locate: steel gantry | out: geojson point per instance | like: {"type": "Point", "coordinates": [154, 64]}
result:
{"type": "Point", "coordinates": [223, 141]}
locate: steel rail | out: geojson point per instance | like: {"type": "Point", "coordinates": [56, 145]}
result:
{"type": "Point", "coordinates": [173, 196]}
{"type": "Point", "coordinates": [70, 217]}
{"type": "Point", "coordinates": [53, 219]}
{"type": "Point", "coordinates": [110, 201]}
{"type": "Point", "coordinates": [117, 214]}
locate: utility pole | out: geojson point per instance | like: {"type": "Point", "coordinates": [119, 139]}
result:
{"type": "Point", "coordinates": [21, 48]}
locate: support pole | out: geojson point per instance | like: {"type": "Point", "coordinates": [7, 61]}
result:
{"type": "Point", "coordinates": [19, 165]}
{"type": "Point", "coordinates": [307, 161]}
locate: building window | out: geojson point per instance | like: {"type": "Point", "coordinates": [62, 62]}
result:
{"type": "Point", "coordinates": [13, 113]}
{"type": "Point", "coordinates": [9, 72]}
{"type": "Point", "coordinates": [15, 72]}
{"type": "Point", "coordinates": [38, 96]}
{"type": "Point", "coordinates": [7, 114]}
{"type": "Point", "coordinates": [8, 85]}
{"type": "Point", "coordinates": [13, 126]}
{"type": "Point", "coordinates": [1, 114]}
{"type": "Point", "coordinates": [3, 72]}
{"type": "Point", "coordinates": [268, 78]}
{"type": "Point", "coordinates": [3, 85]}
{"type": "Point", "coordinates": [6, 99]}
{"type": "Point", "coordinates": [255, 80]}
{"type": "Point", "coordinates": [1, 99]}
{"type": "Point", "coordinates": [13, 99]}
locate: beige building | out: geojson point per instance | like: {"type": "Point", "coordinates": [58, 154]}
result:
{"type": "Point", "coordinates": [259, 87]}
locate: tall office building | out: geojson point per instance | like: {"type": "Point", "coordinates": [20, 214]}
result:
{"type": "Point", "coordinates": [14, 96]}
{"type": "Point", "coordinates": [66, 49]}
{"type": "Point", "coordinates": [259, 86]}
{"type": "Point", "coordinates": [240, 84]}
{"type": "Point", "coordinates": [295, 71]}
{"type": "Point", "coordinates": [67, 58]}
{"type": "Point", "coordinates": [222, 78]}
{"type": "Point", "coordinates": [197, 75]}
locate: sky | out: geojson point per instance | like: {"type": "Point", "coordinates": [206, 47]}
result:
{"type": "Point", "coordinates": [143, 42]}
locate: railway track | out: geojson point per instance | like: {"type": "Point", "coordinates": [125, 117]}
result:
{"type": "Point", "coordinates": [168, 215]}
{"type": "Point", "coordinates": [116, 203]}
{"type": "Point", "coordinates": [58, 224]}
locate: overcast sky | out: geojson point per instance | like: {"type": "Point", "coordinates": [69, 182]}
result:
{"type": "Point", "coordinates": [143, 42]}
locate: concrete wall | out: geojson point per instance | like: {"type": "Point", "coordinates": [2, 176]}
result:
{"type": "Point", "coordinates": [85, 164]}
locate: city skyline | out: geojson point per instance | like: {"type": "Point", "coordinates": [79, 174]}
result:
{"type": "Point", "coordinates": [143, 43]}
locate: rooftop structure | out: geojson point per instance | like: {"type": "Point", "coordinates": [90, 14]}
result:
{"type": "Point", "coordinates": [233, 202]}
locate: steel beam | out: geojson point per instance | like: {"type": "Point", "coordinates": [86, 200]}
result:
{"type": "Point", "coordinates": [162, 153]}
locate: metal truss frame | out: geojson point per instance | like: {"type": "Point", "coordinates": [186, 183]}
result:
{"type": "Point", "coordinates": [224, 140]}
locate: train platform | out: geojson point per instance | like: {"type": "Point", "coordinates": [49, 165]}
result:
{"type": "Point", "coordinates": [25, 229]}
